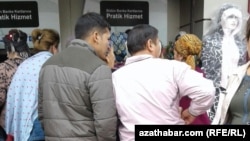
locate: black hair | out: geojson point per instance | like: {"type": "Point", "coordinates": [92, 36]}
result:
{"type": "Point", "coordinates": [16, 40]}
{"type": "Point", "coordinates": [127, 31]}
{"type": "Point", "coordinates": [177, 37]}
{"type": "Point", "coordinates": [88, 22]}
{"type": "Point", "coordinates": [138, 37]}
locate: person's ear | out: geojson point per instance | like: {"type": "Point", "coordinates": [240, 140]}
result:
{"type": "Point", "coordinates": [180, 57]}
{"type": "Point", "coordinates": [96, 37]}
{"type": "Point", "coordinates": [54, 49]}
{"type": "Point", "coordinates": [149, 45]}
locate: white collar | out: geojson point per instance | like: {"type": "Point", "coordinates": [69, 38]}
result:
{"type": "Point", "coordinates": [137, 58]}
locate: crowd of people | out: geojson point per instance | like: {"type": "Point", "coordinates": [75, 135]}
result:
{"type": "Point", "coordinates": [103, 84]}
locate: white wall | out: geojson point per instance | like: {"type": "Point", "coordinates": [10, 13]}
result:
{"type": "Point", "coordinates": [70, 11]}
{"type": "Point", "coordinates": [211, 6]}
{"type": "Point", "coordinates": [157, 15]}
{"type": "Point", "coordinates": [48, 12]}
{"type": "Point", "coordinates": [173, 14]}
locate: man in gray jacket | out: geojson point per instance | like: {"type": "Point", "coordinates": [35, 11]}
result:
{"type": "Point", "coordinates": [76, 100]}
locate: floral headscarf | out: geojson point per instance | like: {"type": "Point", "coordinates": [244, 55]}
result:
{"type": "Point", "coordinates": [189, 46]}
{"type": "Point", "coordinates": [118, 40]}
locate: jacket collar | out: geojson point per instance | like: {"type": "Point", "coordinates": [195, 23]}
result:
{"type": "Point", "coordinates": [241, 71]}
{"type": "Point", "coordinates": [81, 43]}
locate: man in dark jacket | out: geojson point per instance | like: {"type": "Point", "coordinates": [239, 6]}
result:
{"type": "Point", "coordinates": [76, 100]}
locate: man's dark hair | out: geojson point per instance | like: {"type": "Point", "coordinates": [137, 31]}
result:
{"type": "Point", "coordinates": [88, 22]}
{"type": "Point", "coordinates": [127, 31]}
{"type": "Point", "coordinates": [138, 37]}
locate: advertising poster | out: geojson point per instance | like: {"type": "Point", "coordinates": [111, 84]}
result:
{"type": "Point", "coordinates": [125, 13]}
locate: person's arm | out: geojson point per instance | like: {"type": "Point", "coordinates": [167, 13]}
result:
{"type": "Point", "coordinates": [3, 85]}
{"type": "Point", "coordinates": [9, 114]}
{"type": "Point", "coordinates": [103, 104]}
{"type": "Point", "coordinates": [40, 98]}
{"type": "Point", "coordinates": [187, 116]}
{"type": "Point", "coordinates": [196, 87]}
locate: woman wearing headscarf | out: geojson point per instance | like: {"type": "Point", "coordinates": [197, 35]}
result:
{"type": "Point", "coordinates": [22, 99]}
{"type": "Point", "coordinates": [17, 49]}
{"type": "Point", "coordinates": [119, 44]}
{"type": "Point", "coordinates": [223, 50]}
{"type": "Point", "coordinates": [187, 49]}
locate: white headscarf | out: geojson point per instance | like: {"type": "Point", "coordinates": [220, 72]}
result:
{"type": "Point", "coordinates": [235, 12]}
{"type": "Point", "coordinates": [224, 11]}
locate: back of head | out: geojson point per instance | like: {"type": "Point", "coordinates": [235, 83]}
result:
{"type": "Point", "coordinates": [88, 22]}
{"type": "Point", "coordinates": [138, 37]}
{"type": "Point", "coordinates": [16, 41]}
{"type": "Point", "coordinates": [188, 45]}
{"type": "Point", "coordinates": [43, 39]}
{"type": "Point", "coordinates": [127, 31]}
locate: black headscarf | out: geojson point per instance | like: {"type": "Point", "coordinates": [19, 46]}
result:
{"type": "Point", "coordinates": [16, 41]}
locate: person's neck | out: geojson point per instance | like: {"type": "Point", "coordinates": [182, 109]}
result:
{"type": "Point", "coordinates": [143, 52]}
{"type": "Point", "coordinates": [12, 55]}
{"type": "Point", "coordinates": [248, 71]}
{"type": "Point", "coordinates": [227, 32]}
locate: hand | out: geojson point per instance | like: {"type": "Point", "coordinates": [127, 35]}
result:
{"type": "Point", "coordinates": [110, 58]}
{"type": "Point", "coordinates": [180, 110]}
{"type": "Point", "coordinates": [187, 117]}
